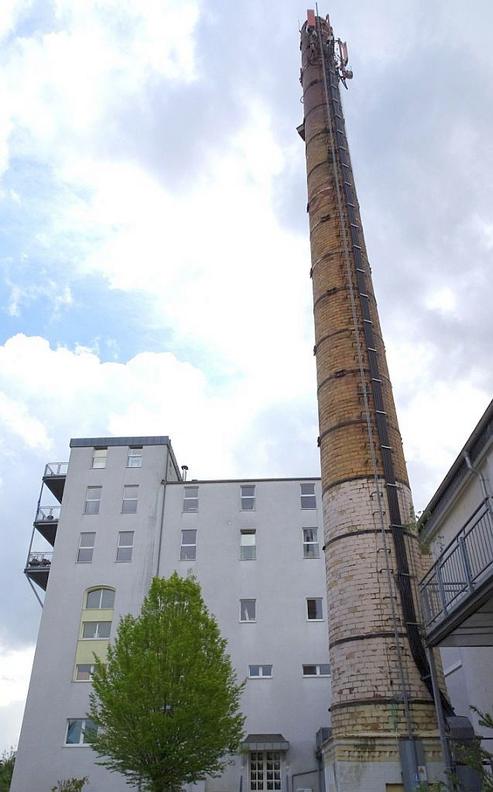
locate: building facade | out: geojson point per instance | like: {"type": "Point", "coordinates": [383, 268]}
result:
{"type": "Point", "coordinates": [124, 516]}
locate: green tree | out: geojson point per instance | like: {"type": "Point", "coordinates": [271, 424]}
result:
{"type": "Point", "coordinates": [166, 700]}
{"type": "Point", "coordinates": [70, 785]}
{"type": "Point", "coordinates": [7, 761]}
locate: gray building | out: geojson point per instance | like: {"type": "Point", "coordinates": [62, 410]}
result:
{"type": "Point", "coordinates": [118, 514]}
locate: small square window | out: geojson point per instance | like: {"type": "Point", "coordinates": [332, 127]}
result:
{"type": "Point", "coordinates": [310, 543]}
{"type": "Point", "coordinates": [86, 547]}
{"type": "Point", "coordinates": [93, 629]}
{"type": "Point", "coordinates": [317, 669]}
{"type": "Point", "coordinates": [308, 497]}
{"type": "Point", "coordinates": [83, 672]}
{"type": "Point", "coordinates": [78, 731]}
{"type": "Point", "coordinates": [247, 610]}
{"type": "Point", "coordinates": [130, 498]}
{"type": "Point", "coordinates": [99, 457]}
{"type": "Point", "coordinates": [314, 608]}
{"type": "Point", "coordinates": [259, 671]}
{"type": "Point", "coordinates": [248, 549]}
{"type": "Point", "coordinates": [134, 457]}
{"type": "Point", "coordinates": [247, 492]}
{"type": "Point", "coordinates": [93, 500]}
{"type": "Point", "coordinates": [125, 546]}
{"type": "Point", "coordinates": [188, 549]}
{"type": "Point", "coordinates": [191, 499]}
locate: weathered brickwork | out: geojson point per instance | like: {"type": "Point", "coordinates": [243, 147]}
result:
{"type": "Point", "coordinates": [371, 660]}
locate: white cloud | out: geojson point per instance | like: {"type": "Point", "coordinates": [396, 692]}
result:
{"type": "Point", "coordinates": [15, 670]}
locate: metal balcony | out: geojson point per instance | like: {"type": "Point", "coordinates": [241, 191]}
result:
{"type": "Point", "coordinates": [54, 478]}
{"type": "Point", "coordinates": [46, 522]}
{"type": "Point", "coordinates": [457, 592]}
{"type": "Point", "coordinates": [38, 568]}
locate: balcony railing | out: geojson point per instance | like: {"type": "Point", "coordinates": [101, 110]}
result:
{"type": "Point", "coordinates": [56, 469]}
{"type": "Point", "coordinates": [40, 560]}
{"type": "Point", "coordinates": [460, 569]}
{"type": "Point", "coordinates": [47, 514]}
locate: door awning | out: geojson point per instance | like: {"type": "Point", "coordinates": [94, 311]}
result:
{"type": "Point", "coordinates": [265, 742]}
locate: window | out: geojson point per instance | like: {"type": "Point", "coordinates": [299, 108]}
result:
{"type": "Point", "coordinates": [308, 498]}
{"type": "Point", "coordinates": [93, 499]}
{"type": "Point", "coordinates": [86, 548]}
{"type": "Point", "coordinates": [314, 609]}
{"type": "Point", "coordinates": [99, 457]}
{"type": "Point", "coordinates": [191, 499]}
{"type": "Point", "coordinates": [320, 669]}
{"type": "Point", "coordinates": [100, 598]}
{"type": "Point", "coordinates": [247, 610]}
{"type": "Point", "coordinates": [78, 730]}
{"type": "Point", "coordinates": [247, 546]}
{"type": "Point", "coordinates": [125, 546]}
{"type": "Point", "coordinates": [93, 629]}
{"type": "Point", "coordinates": [310, 543]}
{"type": "Point", "coordinates": [130, 495]}
{"type": "Point", "coordinates": [188, 547]}
{"type": "Point", "coordinates": [134, 458]}
{"type": "Point", "coordinates": [83, 672]}
{"type": "Point", "coordinates": [247, 492]}
{"type": "Point", "coordinates": [265, 771]}
{"type": "Point", "coordinates": [258, 671]}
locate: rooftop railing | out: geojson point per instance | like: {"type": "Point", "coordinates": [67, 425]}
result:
{"type": "Point", "coordinates": [56, 469]}
{"type": "Point", "coordinates": [465, 563]}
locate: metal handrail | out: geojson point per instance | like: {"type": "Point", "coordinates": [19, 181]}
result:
{"type": "Point", "coordinates": [39, 560]}
{"type": "Point", "coordinates": [47, 514]}
{"type": "Point", "coordinates": [460, 566]}
{"type": "Point", "coordinates": [56, 469]}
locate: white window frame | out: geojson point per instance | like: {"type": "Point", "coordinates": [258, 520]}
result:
{"type": "Point", "coordinates": [188, 545]}
{"type": "Point", "coordinates": [261, 764]}
{"type": "Point", "coordinates": [244, 548]}
{"type": "Point", "coordinates": [101, 591]}
{"type": "Point", "coordinates": [99, 457]}
{"type": "Point", "coordinates": [248, 502]}
{"type": "Point", "coordinates": [134, 456]}
{"type": "Point", "coordinates": [307, 543]}
{"type": "Point", "coordinates": [247, 620]}
{"type": "Point", "coordinates": [121, 546]}
{"type": "Point", "coordinates": [305, 496]}
{"type": "Point", "coordinates": [86, 547]}
{"type": "Point", "coordinates": [95, 637]}
{"type": "Point", "coordinates": [191, 502]}
{"type": "Point", "coordinates": [321, 670]}
{"type": "Point", "coordinates": [92, 490]}
{"type": "Point", "coordinates": [264, 671]}
{"type": "Point", "coordinates": [81, 743]}
{"type": "Point", "coordinates": [91, 672]}
{"type": "Point", "coordinates": [128, 502]}
{"type": "Point", "coordinates": [315, 599]}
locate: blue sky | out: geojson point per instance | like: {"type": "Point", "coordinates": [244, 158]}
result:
{"type": "Point", "coordinates": [154, 250]}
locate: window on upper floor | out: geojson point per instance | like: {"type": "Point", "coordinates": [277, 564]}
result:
{"type": "Point", "coordinates": [191, 499]}
{"type": "Point", "coordinates": [248, 548]}
{"type": "Point", "coordinates": [93, 500]}
{"type": "Point", "coordinates": [318, 669]}
{"type": "Point", "coordinates": [78, 731]}
{"type": "Point", "coordinates": [248, 610]}
{"type": "Point", "coordinates": [308, 497]}
{"type": "Point", "coordinates": [130, 498]}
{"type": "Point", "coordinates": [83, 672]}
{"type": "Point", "coordinates": [259, 671]}
{"type": "Point", "coordinates": [314, 611]}
{"type": "Point", "coordinates": [188, 549]}
{"type": "Point", "coordinates": [310, 543]}
{"type": "Point", "coordinates": [86, 547]}
{"type": "Point", "coordinates": [96, 629]}
{"type": "Point", "coordinates": [99, 457]}
{"type": "Point", "coordinates": [100, 598]}
{"type": "Point", "coordinates": [247, 492]}
{"type": "Point", "coordinates": [125, 546]}
{"type": "Point", "coordinates": [134, 458]}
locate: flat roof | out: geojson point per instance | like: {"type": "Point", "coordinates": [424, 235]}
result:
{"type": "Point", "coordinates": [246, 480]}
{"type": "Point", "coordinates": [85, 442]}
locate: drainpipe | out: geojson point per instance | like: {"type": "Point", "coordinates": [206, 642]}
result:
{"type": "Point", "coordinates": [485, 485]}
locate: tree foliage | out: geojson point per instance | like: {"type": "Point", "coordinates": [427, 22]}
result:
{"type": "Point", "coordinates": [166, 701]}
{"type": "Point", "coordinates": [70, 785]}
{"type": "Point", "coordinates": [7, 761]}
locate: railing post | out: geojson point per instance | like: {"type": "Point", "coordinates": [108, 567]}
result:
{"type": "Point", "coordinates": [441, 589]}
{"type": "Point", "coordinates": [465, 560]}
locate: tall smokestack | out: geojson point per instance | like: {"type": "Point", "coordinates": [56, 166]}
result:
{"type": "Point", "coordinates": [384, 729]}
